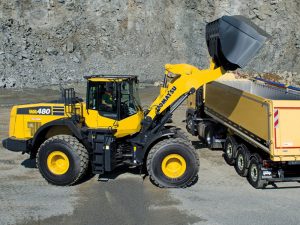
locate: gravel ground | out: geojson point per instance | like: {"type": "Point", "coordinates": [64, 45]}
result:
{"type": "Point", "coordinates": [125, 197]}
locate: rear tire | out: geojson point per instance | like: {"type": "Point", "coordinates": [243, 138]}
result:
{"type": "Point", "coordinates": [242, 160]}
{"type": "Point", "coordinates": [255, 174]}
{"type": "Point", "coordinates": [230, 150]}
{"type": "Point", "coordinates": [62, 160]}
{"type": "Point", "coordinates": [173, 163]}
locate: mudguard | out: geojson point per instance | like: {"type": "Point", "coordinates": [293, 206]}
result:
{"type": "Point", "coordinates": [65, 122]}
{"type": "Point", "coordinates": [140, 155]}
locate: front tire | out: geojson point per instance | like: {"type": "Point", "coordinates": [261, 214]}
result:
{"type": "Point", "coordinates": [62, 160]}
{"type": "Point", "coordinates": [173, 163]}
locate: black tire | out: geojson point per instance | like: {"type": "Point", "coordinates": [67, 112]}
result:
{"type": "Point", "coordinates": [209, 136]}
{"type": "Point", "coordinates": [76, 153]}
{"type": "Point", "coordinates": [166, 148]}
{"type": "Point", "coordinates": [255, 173]}
{"type": "Point", "coordinates": [190, 125]}
{"type": "Point", "coordinates": [230, 150]}
{"type": "Point", "coordinates": [242, 160]}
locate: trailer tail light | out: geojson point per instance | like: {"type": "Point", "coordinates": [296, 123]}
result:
{"type": "Point", "coordinates": [266, 164]}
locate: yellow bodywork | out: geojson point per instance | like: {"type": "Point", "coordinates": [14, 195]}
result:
{"type": "Point", "coordinates": [127, 126]}
{"type": "Point", "coordinates": [285, 137]}
{"type": "Point", "coordinates": [24, 126]}
{"type": "Point", "coordinates": [103, 79]}
{"type": "Point", "coordinates": [243, 108]}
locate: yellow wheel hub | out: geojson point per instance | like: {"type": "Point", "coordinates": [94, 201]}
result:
{"type": "Point", "coordinates": [58, 163]}
{"type": "Point", "coordinates": [173, 166]}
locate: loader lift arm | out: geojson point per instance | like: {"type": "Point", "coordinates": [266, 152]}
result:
{"type": "Point", "coordinates": [187, 79]}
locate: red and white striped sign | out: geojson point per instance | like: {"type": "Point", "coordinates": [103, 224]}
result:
{"type": "Point", "coordinates": [276, 118]}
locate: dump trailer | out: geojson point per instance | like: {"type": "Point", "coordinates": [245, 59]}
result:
{"type": "Point", "coordinates": [110, 128]}
{"type": "Point", "coordinates": [255, 122]}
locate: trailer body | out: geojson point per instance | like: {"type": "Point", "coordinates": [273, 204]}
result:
{"type": "Point", "coordinates": [263, 117]}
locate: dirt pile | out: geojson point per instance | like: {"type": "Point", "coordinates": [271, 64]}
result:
{"type": "Point", "coordinates": [54, 41]}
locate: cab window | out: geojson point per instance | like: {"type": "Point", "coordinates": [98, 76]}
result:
{"type": "Point", "coordinates": [103, 97]}
{"type": "Point", "coordinates": [129, 99]}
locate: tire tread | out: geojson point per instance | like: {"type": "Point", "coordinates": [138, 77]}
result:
{"type": "Point", "coordinates": [160, 144]}
{"type": "Point", "coordinates": [76, 146]}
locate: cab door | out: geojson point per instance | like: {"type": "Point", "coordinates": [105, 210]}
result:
{"type": "Point", "coordinates": [102, 105]}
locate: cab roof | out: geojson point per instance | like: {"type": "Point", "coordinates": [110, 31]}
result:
{"type": "Point", "coordinates": [109, 78]}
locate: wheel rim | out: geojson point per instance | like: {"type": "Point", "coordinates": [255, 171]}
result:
{"type": "Point", "coordinates": [58, 162]}
{"type": "Point", "coordinates": [208, 138]}
{"type": "Point", "coordinates": [173, 166]}
{"type": "Point", "coordinates": [240, 162]}
{"type": "Point", "coordinates": [254, 173]}
{"type": "Point", "coordinates": [229, 150]}
{"type": "Point", "coordinates": [190, 124]}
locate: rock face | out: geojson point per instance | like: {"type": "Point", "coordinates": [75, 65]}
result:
{"type": "Point", "coordinates": [55, 41]}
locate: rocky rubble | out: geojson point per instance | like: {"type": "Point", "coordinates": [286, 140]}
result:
{"type": "Point", "coordinates": [57, 41]}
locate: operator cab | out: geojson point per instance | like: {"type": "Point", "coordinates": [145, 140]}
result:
{"type": "Point", "coordinates": [114, 97]}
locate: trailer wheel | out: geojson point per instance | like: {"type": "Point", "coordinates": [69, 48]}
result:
{"type": "Point", "coordinates": [230, 150]}
{"type": "Point", "coordinates": [255, 174]}
{"type": "Point", "coordinates": [62, 160]}
{"type": "Point", "coordinates": [242, 160]}
{"type": "Point", "coordinates": [190, 125]}
{"type": "Point", "coordinates": [173, 163]}
{"type": "Point", "coordinates": [209, 136]}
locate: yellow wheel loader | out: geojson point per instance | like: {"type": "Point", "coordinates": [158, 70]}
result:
{"type": "Point", "coordinates": [110, 128]}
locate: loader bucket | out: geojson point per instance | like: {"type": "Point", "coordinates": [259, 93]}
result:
{"type": "Point", "coordinates": [233, 41]}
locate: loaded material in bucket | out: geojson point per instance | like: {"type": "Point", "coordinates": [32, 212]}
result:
{"type": "Point", "coordinates": [233, 41]}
